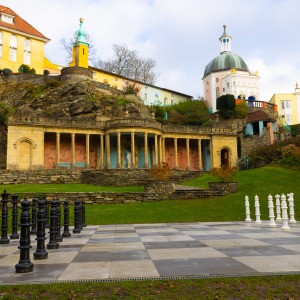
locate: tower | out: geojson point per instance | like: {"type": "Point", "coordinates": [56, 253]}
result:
{"type": "Point", "coordinates": [80, 56]}
{"type": "Point", "coordinates": [228, 73]}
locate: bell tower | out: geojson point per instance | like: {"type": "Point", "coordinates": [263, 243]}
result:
{"type": "Point", "coordinates": [80, 56]}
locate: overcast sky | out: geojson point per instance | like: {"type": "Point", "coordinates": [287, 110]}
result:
{"type": "Point", "coordinates": [182, 36]}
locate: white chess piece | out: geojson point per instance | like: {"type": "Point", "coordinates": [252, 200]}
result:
{"type": "Point", "coordinates": [285, 218]}
{"type": "Point", "coordinates": [247, 205]}
{"type": "Point", "coordinates": [271, 212]}
{"type": "Point", "coordinates": [257, 210]}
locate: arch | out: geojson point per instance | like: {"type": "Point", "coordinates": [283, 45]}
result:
{"type": "Point", "coordinates": [24, 148]}
{"type": "Point", "coordinates": [225, 154]}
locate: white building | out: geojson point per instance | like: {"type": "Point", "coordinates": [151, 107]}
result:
{"type": "Point", "coordinates": [228, 74]}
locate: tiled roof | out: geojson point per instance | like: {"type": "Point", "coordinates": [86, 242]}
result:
{"type": "Point", "coordinates": [20, 25]}
{"type": "Point", "coordinates": [258, 116]}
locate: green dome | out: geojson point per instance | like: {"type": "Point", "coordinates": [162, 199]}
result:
{"type": "Point", "coordinates": [225, 61]}
{"type": "Point", "coordinates": [81, 33]}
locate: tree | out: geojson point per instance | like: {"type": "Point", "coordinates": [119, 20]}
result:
{"type": "Point", "coordinates": [226, 105]}
{"type": "Point", "coordinates": [68, 46]}
{"type": "Point", "coordinates": [241, 110]}
{"type": "Point", "coordinates": [127, 63]}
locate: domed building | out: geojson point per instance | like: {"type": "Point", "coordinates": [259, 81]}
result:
{"type": "Point", "coordinates": [228, 73]}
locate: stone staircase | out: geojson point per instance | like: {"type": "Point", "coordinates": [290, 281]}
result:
{"type": "Point", "coordinates": [188, 192]}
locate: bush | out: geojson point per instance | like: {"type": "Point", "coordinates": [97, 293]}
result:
{"type": "Point", "coordinates": [241, 110]}
{"type": "Point", "coordinates": [7, 71]}
{"type": "Point", "coordinates": [26, 69]}
{"type": "Point", "coordinates": [161, 172]}
{"type": "Point", "coordinates": [5, 112]}
{"type": "Point", "coordinates": [226, 105]}
{"type": "Point", "coordinates": [224, 173]}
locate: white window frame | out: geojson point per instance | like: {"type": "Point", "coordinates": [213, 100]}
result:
{"type": "Point", "coordinates": [13, 48]}
{"type": "Point", "coordinates": [27, 51]}
{"type": "Point", "coordinates": [1, 37]}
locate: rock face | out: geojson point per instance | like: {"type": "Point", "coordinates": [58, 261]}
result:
{"type": "Point", "coordinates": [71, 98]}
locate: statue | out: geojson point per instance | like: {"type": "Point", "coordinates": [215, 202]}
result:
{"type": "Point", "coordinates": [128, 158]}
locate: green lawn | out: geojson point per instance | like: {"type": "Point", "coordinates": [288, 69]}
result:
{"type": "Point", "coordinates": [261, 182]}
{"type": "Point", "coordinates": [64, 188]}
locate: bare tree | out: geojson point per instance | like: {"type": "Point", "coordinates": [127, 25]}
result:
{"type": "Point", "coordinates": [127, 63]}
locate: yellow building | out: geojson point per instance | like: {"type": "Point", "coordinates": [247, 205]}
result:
{"type": "Point", "coordinates": [288, 106]}
{"type": "Point", "coordinates": [20, 43]}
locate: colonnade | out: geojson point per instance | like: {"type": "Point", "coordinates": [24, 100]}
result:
{"type": "Point", "coordinates": [153, 144]}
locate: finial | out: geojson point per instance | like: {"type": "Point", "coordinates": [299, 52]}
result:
{"type": "Point", "coordinates": [224, 26]}
{"type": "Point", "coordinates": [81, 20]}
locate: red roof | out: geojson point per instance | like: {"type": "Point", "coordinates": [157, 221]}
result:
{"type": "Point", "coordinates": [19, 24]}
{"type": "Point", "coordinates": [258, 116]}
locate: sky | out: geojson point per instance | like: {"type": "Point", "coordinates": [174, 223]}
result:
{"type": "Point", "coordinates": [182, 36]}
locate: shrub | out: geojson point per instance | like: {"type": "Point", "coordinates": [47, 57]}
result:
{"type": "Point", "coordinates": [161, 172]}
{"type": "Point", "coordinates": [26, 69]}
{"type": "Point", "coordinates": [224, 173]}
{"type": "Point", "coordinates": [226, 105]}
{"type": "Point", "coordinates": [241, 110]}
{"type": "Point", "coordinates": [5, 112]}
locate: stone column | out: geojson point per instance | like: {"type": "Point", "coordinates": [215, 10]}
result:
{"type": "Point", "coordinates": [72, 149]}
{"type": "Point", "coordinates": [87, 150]}
{"type": "Point", "coordinates": [176, 153]}
{"type": "Point", "coordinates": [155, 150]}
{"type": "Point", "coordinates": [146, 164]}
{"type": "Point", "coordinates": [119, 165]}
{"type": "Point", "coordinates": [132, 151]}
{"type": "Point", "coordinates": [200, 155]}
{"type": "Point", "coordinates": [188, 163]}
{"type": "Point", "coordinates": [101, 151]}
{"type": "Point", "coordinates": [164, 150]}
{"type": "Point", "coordinates": [107, 150]}
{"type": "Point", "coordinates": [57, 149]}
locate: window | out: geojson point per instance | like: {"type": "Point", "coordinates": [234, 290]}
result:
{"type": "Point", "coordinates": [27, 50]}
{"type": "Point", "coordinates": [116, 78]}
{"type": "Point", "coordinates": [217, 79]}
{"type": "Point", "coordinates": [165, 101]}
{"type": "Point", "coordinates": [145, 97]}
{"type": "Point", "coordinates": [217, 92]}
{"type": "Point", "coordinates": [0, 44]}
{"type": "Point", "coordinates": [13, 48]}
{"type": "Point", "coordinates": [288, 119]}
{"type": "Point", "coordinates": [223, 89]}
{"type": "Point", "coordinates": [7, 19]}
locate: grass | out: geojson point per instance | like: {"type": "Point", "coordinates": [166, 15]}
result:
{"type": "Point", "coordinates": [64, 188]}
{"type": "Point", "coordinates": [261, 182]}
{"type": "Point", "coordinates": [275, 287]}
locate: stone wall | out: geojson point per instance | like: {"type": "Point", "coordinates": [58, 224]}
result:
{"type": "Point", "coordinates": [129, 177]}
{"type": "Point", "coordinates": [111, 177]}
{"type": "Point", "coordinates": [39, 176]}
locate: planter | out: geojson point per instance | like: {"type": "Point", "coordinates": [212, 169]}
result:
{"type": "Point", "coordinates": [223, 187]}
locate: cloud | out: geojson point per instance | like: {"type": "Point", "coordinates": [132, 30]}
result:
{"type": "Point", "coordinates": [181, 35]}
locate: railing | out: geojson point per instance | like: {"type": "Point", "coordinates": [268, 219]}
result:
{"type": "Point", "coordinates": [55, 122]}
{"type": "Point", "coordinates": [115, 123]}
{"type": "Point", "coordinates": [133, 123]}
